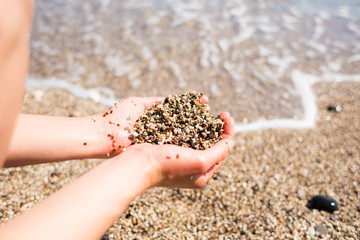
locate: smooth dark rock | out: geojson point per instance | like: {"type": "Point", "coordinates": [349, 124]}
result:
{"type": "Point", "coordinates": [331, 108]}
{"type": "Point", "coordinates": [324, 203]}
{"type": "Point", "coordinates": [54, 173]}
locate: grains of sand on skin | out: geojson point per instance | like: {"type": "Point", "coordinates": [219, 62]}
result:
{"type": "Point", "coordinates": [182, 120]}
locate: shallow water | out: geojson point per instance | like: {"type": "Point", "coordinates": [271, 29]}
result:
{"type": "Point", "coordinates": [255, 59]}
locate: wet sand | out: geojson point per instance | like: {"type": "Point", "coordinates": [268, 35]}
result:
{"type": "Point", "coordinates": [260, 193]}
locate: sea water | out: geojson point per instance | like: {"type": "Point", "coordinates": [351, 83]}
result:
{"type": "Point", "coordinates": [256, 59]}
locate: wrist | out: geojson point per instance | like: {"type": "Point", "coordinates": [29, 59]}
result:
{"type": "Point", "coordinates": [144, 155]}
{"type": "Point", "coordinates": [94, 140]}
{"type": "Point", "coordinates": [114, 133]}
{"type": "Point", "coordinates": [105, 135]}
{"type": "Point", "coordinates": [138, 167]}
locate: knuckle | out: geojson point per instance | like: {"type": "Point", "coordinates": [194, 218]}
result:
{"type": "Point", "coordinates": [202, 166]}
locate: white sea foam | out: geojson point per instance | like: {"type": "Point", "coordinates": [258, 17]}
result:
{"type": "Point", "coordinates": [281, 63]}
{"type": "Point", "coordinates": [264, 51]}
{"type": "Point", "coordinates": [321, 48]}
{"type": "Point", "coordinates": [354, 58]}
{"type": "Point", "coordinates": [177, 71]}
{"type": "Point", "coordinates": [105, 4]}
{"type": "Point", "coordinates": [204, 60]}
{"type": "Point", "coordinates": [114, 62]}
{"type": "Point", "coordinates": [102, 95]}
{"type": "Point", "coordinates": [319, 28]}
{"type": "Point", "coordinates": [353, 27]}
{"type": "Point", "coordinates": [215, 89]}
{"type": "Point", "coordinates": [303, 83]}
{"type": "Point", "coordinates": [247, 33]}
{"type": "Point", "coordinates": [45, 47]}
{"type": "Point", "coordinates": [216, 46]}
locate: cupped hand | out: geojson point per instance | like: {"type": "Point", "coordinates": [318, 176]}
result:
{"type": "Point", "coordinates": [118, 122]}
{"type": "Point", "coordinates": [180, 167]}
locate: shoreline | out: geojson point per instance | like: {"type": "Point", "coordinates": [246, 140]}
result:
{"type": "Point", "coordinates": [260, 192]}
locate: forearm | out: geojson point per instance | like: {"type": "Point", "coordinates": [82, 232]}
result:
{"type": "Point", "coordinates": [86, 208]}
{"type": "Point", "coordinates": [39, 139]}
{"type": "Point", "coordinates": [15, 20]}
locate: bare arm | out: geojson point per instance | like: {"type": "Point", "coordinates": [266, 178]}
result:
{"type": "Point", "coordinates": [15, 20]}
{"type": "Point", "coordinates": [39, 139]}
{"type": "Point", "coordinates": [87, 207]}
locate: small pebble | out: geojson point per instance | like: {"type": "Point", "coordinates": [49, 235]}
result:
{"type": "Point", "coordinates": [311, 231]}
{"type": "Point", "coordinates": [324, 203]}
{"type": "Point", "coordinates": [332, 108]}
{"type": "Point", "coordinates": [54, 173]}
{"type": "Point", "coordinates": [179, 119]}
{"type": "Point", "coordinates": [301, 193]}
{"type": "Point", "coordinates": [321, 228]}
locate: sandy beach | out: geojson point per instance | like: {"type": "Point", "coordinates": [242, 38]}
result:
{"type": "Point", "coordinates": [260, 193]}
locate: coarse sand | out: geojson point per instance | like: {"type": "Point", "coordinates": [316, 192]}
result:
{"type": "Point", "coordinates": [260, 193]}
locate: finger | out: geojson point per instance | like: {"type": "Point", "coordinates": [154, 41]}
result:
{"type": "Point", "coordinates": [211, 172]}
{"type": "Point", "coordinates": [200, 180]}
{"type": "Point", "coordinates": [218, 152]}
{"type": "Point", "coordinates": [204, 99]}
{"type": "Point", "coordinates": [207, 108]}
{"type": "Point", "coordinates": [228, 124]}
{"type": "Point", "coordinates": [187, 161]}
{"type": "Point", "coordinates": [193, 181]}
{"type": "Point", "coordinates": [193, 161]}
{"type": "Point", "coordinates": [151, 101]}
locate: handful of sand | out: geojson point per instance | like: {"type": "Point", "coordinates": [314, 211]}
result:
{"type": "Point", "coordinates": [180, 119]}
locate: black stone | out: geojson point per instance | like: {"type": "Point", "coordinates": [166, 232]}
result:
{"type": "Point", "coordinates": [331, 108]}
{"type": "Point", "coordinates": [323, 203]}
{"type": "Point", "coordinates": [54, 173]}
{"type": "Point", "coordinates": [192, 144]}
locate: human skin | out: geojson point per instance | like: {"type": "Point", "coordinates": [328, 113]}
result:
{"type": "Point", "coordinates": [87, 207]}
{"type": "Point", "coordinates": [15, 21]}
{"type": "Point", "coordinates": [79, 137]}
{"type": "Point", "coordinates": [105, 191]}
{"type": "Point", "coordinates": [64, 138]}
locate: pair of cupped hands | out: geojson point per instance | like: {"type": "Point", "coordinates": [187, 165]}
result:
{"type": "Point", "coordinates": [171, 165]}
